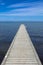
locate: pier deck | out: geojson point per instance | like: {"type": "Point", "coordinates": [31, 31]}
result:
{"type": "Point", "coordinates": [21, 51]}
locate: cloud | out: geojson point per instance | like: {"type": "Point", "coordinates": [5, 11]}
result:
{"type": "Point", "coordinates": [36, 10]}
{"type": "Point", "coordinates": [25, 4]}
{"type": "Point", "coordinates": [18, 5]}
{"type": "Point", "coordinates": [22, 11]}
{"type": "Point", "coordinates": [33, 11]}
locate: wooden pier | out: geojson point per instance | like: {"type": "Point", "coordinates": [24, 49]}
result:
{"type": "Point", "coordinates": [21, 50]}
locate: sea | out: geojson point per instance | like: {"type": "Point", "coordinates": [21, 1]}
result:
{"type": "Point", "coordinates": [8, 31]}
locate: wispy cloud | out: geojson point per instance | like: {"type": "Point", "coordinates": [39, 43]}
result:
{"type": "Point", "coordinates": [25, 4]}
{"type": "Point", "coordinates": [21, 11]}
{"type": "Point", "coordinates": [35, 9]}
{"type": "Point", "coordinates": [18, 5]}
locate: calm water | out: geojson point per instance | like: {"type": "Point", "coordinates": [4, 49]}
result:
{"type": "Point", "coordinates": [8, 31]}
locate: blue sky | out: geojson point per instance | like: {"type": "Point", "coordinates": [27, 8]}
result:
{"type": "Point", "coordinates": [21, 10]}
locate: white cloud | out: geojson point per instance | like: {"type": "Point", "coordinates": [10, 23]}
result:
{"type": "Point", "coordinates": [18, 5]}
{"type": "Point", "coordinates": [30, 11]}
{"type": "Point", "coordinates": [25, 12]}
{"type": "Point", "coordinates": [25, 4]}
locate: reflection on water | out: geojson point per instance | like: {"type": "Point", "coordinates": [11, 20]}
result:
{"type": "Point", "coordinates": [8, 31]}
